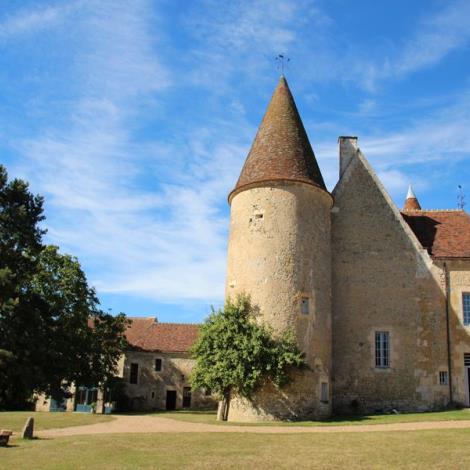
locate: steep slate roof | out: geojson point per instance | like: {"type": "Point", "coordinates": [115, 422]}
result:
{"type": "Point", "coordinates": [146, 334]}
{"type": "Point", "coordinates": [281, 149]}
{"type": "Point", "coordinates": [444, 233]}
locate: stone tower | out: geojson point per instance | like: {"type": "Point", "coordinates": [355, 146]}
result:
{"type": "Point", "coordinates": [279, 252]}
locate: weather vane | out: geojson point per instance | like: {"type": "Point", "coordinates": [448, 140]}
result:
{"type": "Point", "coordinates": [282, 62]}
{"type": "Point", "coordinates": [461, 198]}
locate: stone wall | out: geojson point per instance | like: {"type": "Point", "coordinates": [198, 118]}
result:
{"type": "Point", "coordinates": [279, 253]}
{"type": "Point", "coordinates": [382, 281]}
{"type": "Point", "coordinates": [459, 282]}
{"type": "Point", "coordinates": [43, 402]}
{"type": "Point", "coordinates": [150, 391]}
{"type": "Point", "coordinates": [149, 394]}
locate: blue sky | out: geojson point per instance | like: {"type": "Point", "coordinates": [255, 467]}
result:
{"type": "Point", "coordinates": [133, 119]}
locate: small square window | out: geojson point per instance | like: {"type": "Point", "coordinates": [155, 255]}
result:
{"type": "Point", "coordinates": [304, 306]}
{"type": "Point", "coordinates": [158, 365]}
{"type": "Point", "coordinates": [443, 377]}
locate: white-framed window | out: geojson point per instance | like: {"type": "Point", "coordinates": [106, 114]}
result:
{"type": "Point", "coordinates": [324, 393]}
{"type": "Point", "coordinates": [158, 364]}
{"type": "Point", "coordinates": [304, 306]}
{"type": "Point", "coordinates": [382, 349]}
{"type": "Point", "coordinates": [443, 377]}
{"type": "Point", "coordinates": [466, 308]}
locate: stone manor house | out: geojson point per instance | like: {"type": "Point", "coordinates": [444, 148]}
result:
{"type": "Point", "coordinates": [155, 369]}
{"type": "Point", "coordinates": [378, 297]}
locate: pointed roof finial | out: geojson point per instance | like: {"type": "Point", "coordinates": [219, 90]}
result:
{"type": "Point", "coordinates": [410, 194]}
{"type": "Point", "coordinates": [281, 150]}
{"type": "Point", "coordinates": [282, 62]}
{"type": "Point", "coordinates": [411, 201]}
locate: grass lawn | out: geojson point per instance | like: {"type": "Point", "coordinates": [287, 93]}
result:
{"type": "Point", "coordinates": [433, 449]}
{"type": "Point", "coordinates": [209, 417]}
{"type": "Point", "coordinates": [15, 420]}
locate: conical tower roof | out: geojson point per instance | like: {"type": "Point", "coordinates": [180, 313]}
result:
{"type": "Point", "coordinates": [411, 201]}
{"type": "Point", "coordinates": [281, 150]}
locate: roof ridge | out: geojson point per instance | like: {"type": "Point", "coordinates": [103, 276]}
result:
{"type": "Point", "coordinates": [163, 322]}
{"type": "Point", "coordinates": [434, 210]}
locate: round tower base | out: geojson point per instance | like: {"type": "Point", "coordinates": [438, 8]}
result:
{"type": "Point", "coordinates": [299, 401]}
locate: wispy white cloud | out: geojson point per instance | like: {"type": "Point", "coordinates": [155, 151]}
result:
{"type": "Point", "coordinates": [241, 38]}
{"type": "Point", "coordinates": [166, 242]}
{"type": "Point", "coordinates": [399, 155]}
{"type": "Point", "coordinates": [30, 21]}
{"type": "Point", "coordinates": [440, 136]}
{"type": "Point", "coordinates": [437, 35]}
{"type": "Point", "coordinates": [148, 216]}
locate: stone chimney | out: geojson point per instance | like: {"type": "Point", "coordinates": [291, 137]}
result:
{"type": "Point", "coordinates": [347, 151]}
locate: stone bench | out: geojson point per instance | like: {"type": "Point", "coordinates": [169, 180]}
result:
{"type": "Point", "coordinates": [4, 437]}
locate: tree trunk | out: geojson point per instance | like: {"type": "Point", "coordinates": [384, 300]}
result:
{"type": "Point", "coordinates": [224, 405]}
{"type": "Point", "coordinates": [220, 411]}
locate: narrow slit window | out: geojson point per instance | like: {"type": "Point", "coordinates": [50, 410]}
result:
{"type": "Point", "coordinates": [304, 306]}
{"type": "Point", "coordinates": [134, 375]}
{"type": "Point", "coordinates": [158, 365]}
{"type": "Point", "coordinates": [466, 308]}
{"type": "Point", "coordinates": [324, 392]}
{"type": "Point", "coordinates": [382, 349]}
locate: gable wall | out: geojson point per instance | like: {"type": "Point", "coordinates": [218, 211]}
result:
{"type": "Point", "coordinates": [382, 281]}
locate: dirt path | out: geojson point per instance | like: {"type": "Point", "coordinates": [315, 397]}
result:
{"type": "Point", "coordinates": [150, 424]}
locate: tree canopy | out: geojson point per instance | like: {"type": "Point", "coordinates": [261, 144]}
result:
{"type": "Point", "coordinates": [52, 331]}
{"type": "Point", "coordinates": [234, 354]}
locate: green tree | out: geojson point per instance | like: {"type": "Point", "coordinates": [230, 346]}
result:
{"type": "Point", "coordinates": [84, 343]}
{"type": "Point", "coordinates": [20, 247]}
{"type": "Point", "coordinates": [45, 309]}
{"type": "Point", "coordinates": [234, 354]}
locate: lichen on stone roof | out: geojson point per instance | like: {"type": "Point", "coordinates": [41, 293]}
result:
{"type": "Point", "coordinates": [281, 150]}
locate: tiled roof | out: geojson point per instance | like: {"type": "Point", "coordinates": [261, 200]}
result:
{"type": "Point", "coordinates": [411, 204]}
{"type": "Point", "coordinates": [444, 233]}
{"type": "Point", "coordinates": [146, 334]}
{"type": "Point", "coordinates": [281, 149]}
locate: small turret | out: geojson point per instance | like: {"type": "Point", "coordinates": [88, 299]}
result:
{"type": "Point", "coordinates": [411, 201]}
